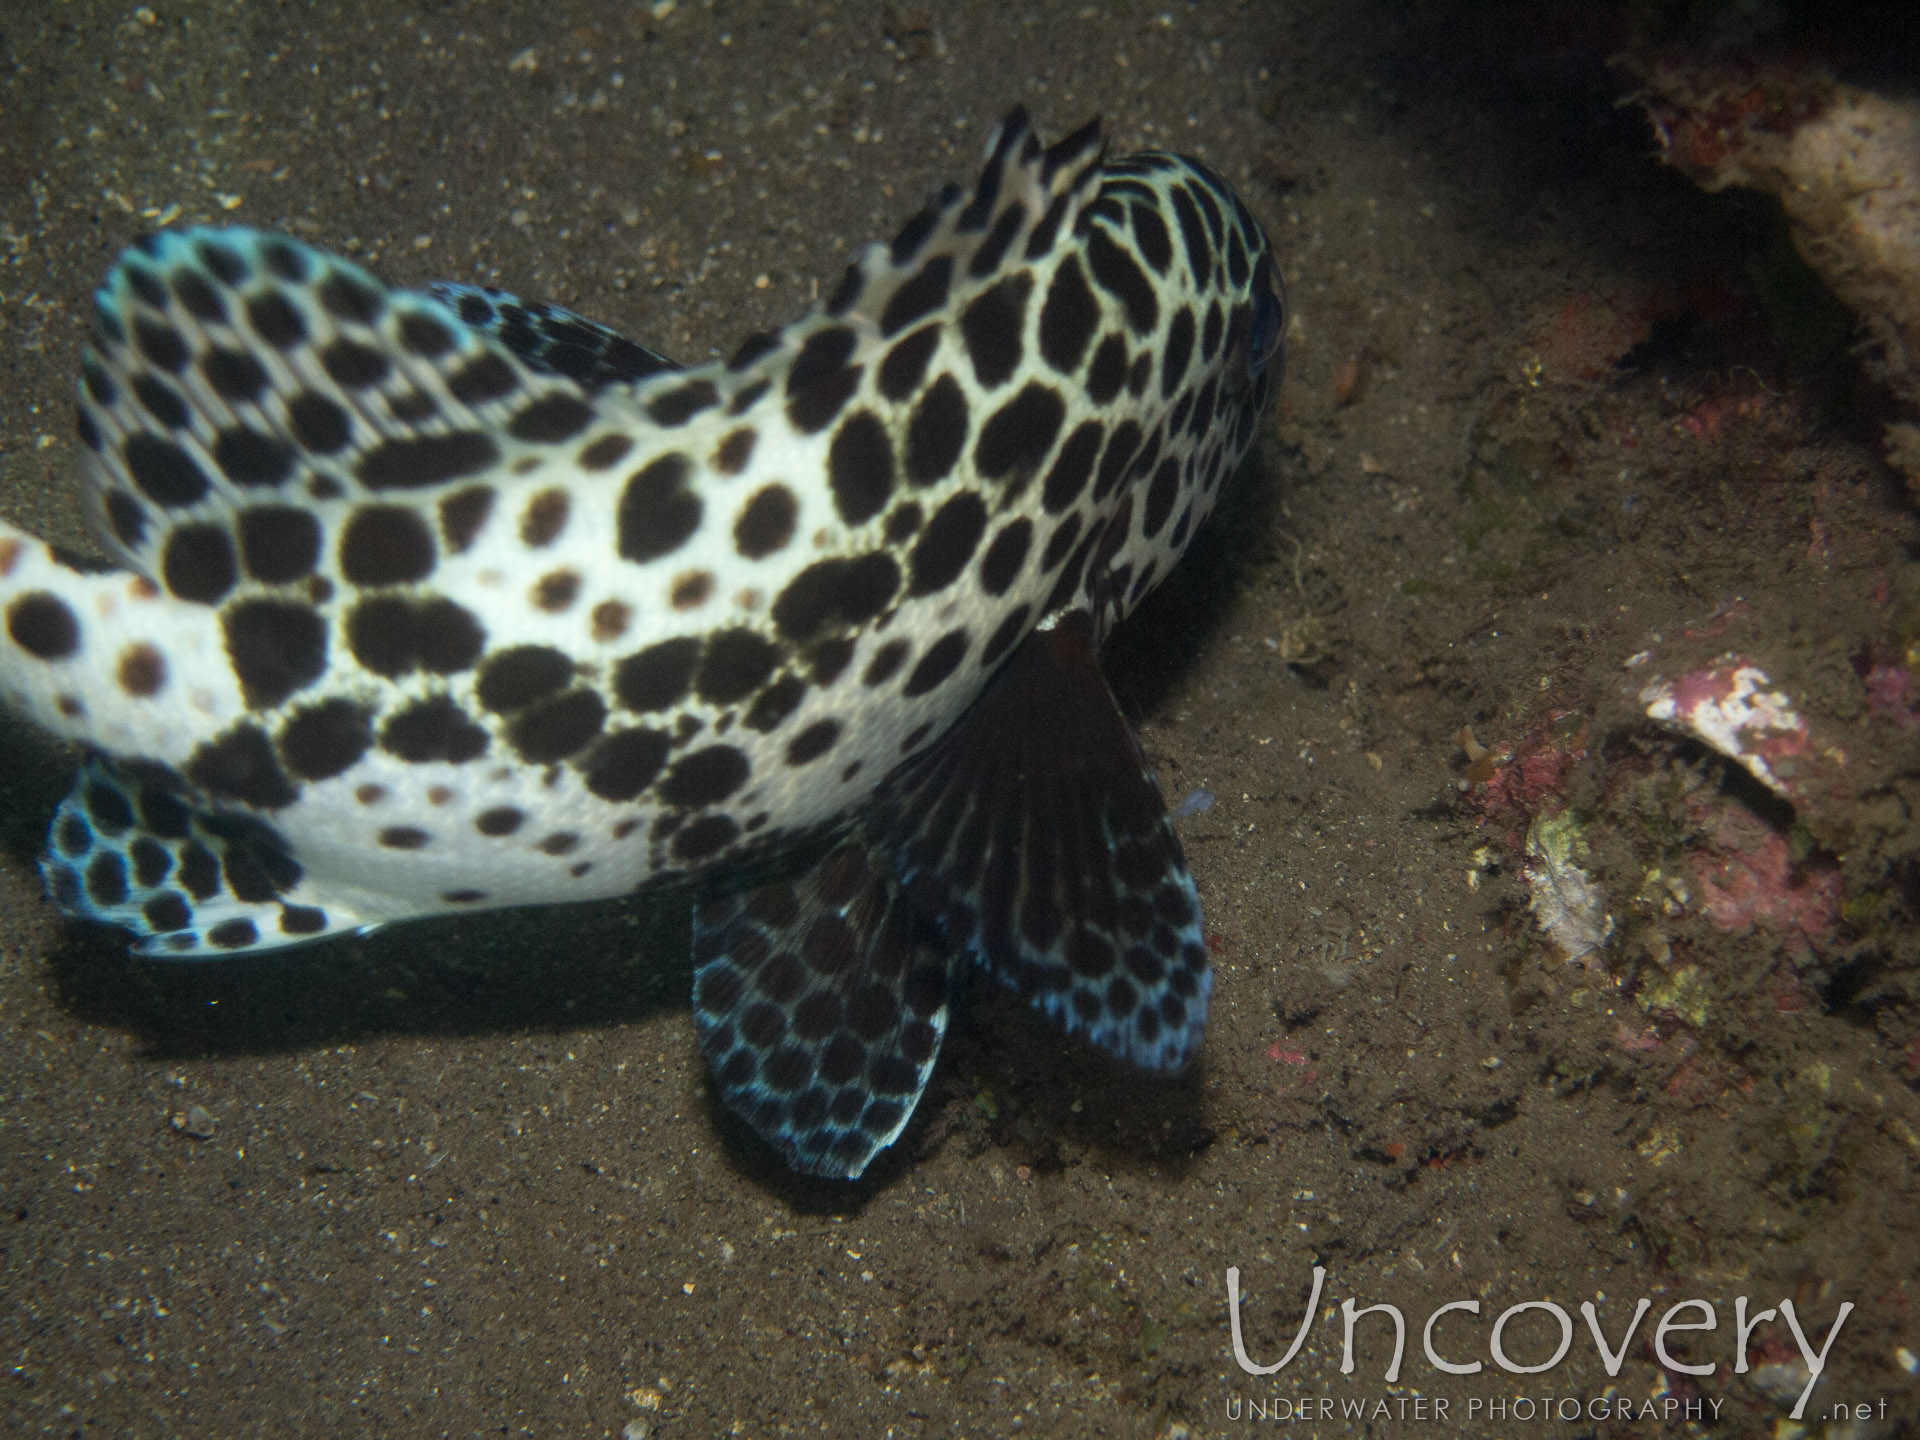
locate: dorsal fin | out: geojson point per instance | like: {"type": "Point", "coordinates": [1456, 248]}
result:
{"type": "Point", "coordinates": [553, 340]}
{"type": "Point", "coordinates": [1023, 199]}
{"type": "Point", "coordinates": [957, 245]}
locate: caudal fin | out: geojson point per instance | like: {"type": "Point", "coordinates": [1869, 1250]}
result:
{"type": "Point", "coordinates": [128, 849]}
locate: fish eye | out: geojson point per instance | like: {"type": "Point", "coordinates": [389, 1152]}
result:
{"type": "Point", "coordinates": [1268, 328]}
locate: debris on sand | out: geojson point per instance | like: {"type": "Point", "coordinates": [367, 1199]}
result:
{"type": "Point", "coordinates": [1730, 707]}
{"type": "Point", "coordinates": [1844, 164]}
{"type": "Point", "coordinates": [1569, 908]}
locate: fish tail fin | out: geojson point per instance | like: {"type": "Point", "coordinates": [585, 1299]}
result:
{"type": "Point", "coordinates": [127, 848]}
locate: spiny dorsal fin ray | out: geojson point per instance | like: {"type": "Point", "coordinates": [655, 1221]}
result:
{"type": "Point", "coordinates": [552, 340]}
{"type": "Point", "coordinates": [234, 370]}
{"type": "Point", "coordinates": [1035, 833]}
{"type": "Point", "coordinates": [960, 241]}
{"type": "Point", "coordinates": [820, 1010]}
{"type": "Point", "coordinates": [128, 848]}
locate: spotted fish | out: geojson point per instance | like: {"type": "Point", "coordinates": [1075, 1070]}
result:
{"type": "Point", "coordinates": [435, 600]}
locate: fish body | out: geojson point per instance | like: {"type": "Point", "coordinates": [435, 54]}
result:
{"type": "Point", "coordinates": [438, 600]}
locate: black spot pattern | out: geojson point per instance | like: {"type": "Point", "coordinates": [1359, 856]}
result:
{"type": "Point", "coordinates": [234, 376]}
{"type": "Point", "coordinates": [161, 401]}
{"type": "Point", "coordinates": [1069, 319]}
{"type": "Point", "coordinates": [551, 419]}
{"type": "Point", "coordinates": [836, 592]}
{"type": "Point", "coordinates": [1178, 351]}
{"type": "Point", "coordinates": [107, 879]}
{"type": "Point", "coordinates": [545, 517]}
{"type": "Point", "coordinates": [730, 457]}
{"type": "Point", "coordinates": [942, 658]}
{"type": "Point", "coordinates": [821, 381]}
{"type": "Point", "coordinates": [1122, 445]}
{"type": "Point", "coordinates": [820, 1012]}
{"type": "Point", "coordinates": [241, 765]}
{"type": "Point", "coordinates": [991, 325]}
{"type": "Point", "coordinates": [151, 862]}
{"type": "Point", "coordinates": [128, 518]}
{"type": "Point", "coordinates": [165, 473]}
{"type": "Point", "coordinates": [922, 295]}
{"type": "Point", "coordinates": [813, 742]}
{"type": "Point", "coordinates": [658, 677]}
{"type": "Point", "coordinates": [1211, 333]}
{"type": "Point", "coordinates": [278, 543]}
{"type": "Point", "coordinates": [551, 730]}
{"type": "Point", "coordinates": [142, 670]}
{"type": "Point", "coordinates": [394, 636]}
{"type": "Point", "coordinates": [737, 663]}
{"type": "Point", "coordinates": [999, 240]}
{"type": "Point", "coordinates": [228, 268]}
{"type": "Point", "coordinates": [422, 333]}
{"type": "Point", "coordinates": [1020, 433]}
{"type": "Point", "coordinates": [386, 545]}
{"type": "Point", "coordinates": [318, 423]}
{"type": "Point", "coordinates": [323, 740]}
{"type": "Point", "coordinates": [484, 378]}
{"type": "Point", "coordinates": [1005, 634]}
{"type": "Point", "coordinates": [1071, 468]}
{"type": "Point", "coordinates": [422, 461]}
{"type": "Point", "coordinates": [682, 403]}
{"type": "Point", "coordinates": [625, 762]}
{"type": "Point", "coordinates": [1162, 491]}
{"type": "Point", "coordinates": [657, 512]}
{"type": "Point", "coordinates": [773, 704]}
{"type": "Point", "coordinates": [343, 295]}
{"type": "Point", "coordinates": [886, 663]}
{"type": "Point", "coordinates": [704, 777]}
{"type": "Point", "coordinates": [199, 563]}
{"type": "Point", "coordinates": [704, 838]}
{"type": "Point", "coordinates": [275, 320]}
{"type": "Point", "coordinates": [246, 457]}
{"type": "Point", "coordinates": [500, 820]}
{"type": "Point", "coordinates": [1117, 273]}
{"type": "Point", "coordinates": [947, 544]}
{"type": "Point", "coordinates": [463, 513]}
{"type": "Point", "coordinates": [43, 626]}
{"type": "Point", "coordinates": [906, 363]}
{"type": "Point", "coordinates": [766, 522]}
{"type": "Point", "coordinates": [937, 432]}
{"type": "Point", "coordinates": [167, 912]}
{"type": "Point", "coordinates": [233, 934]}
{"type": "Point", "coordinates": [1000, 566]}
{"type": "Point", "coordinates": [860, 467]}
{"type": "Point", "coordinates": [522, 674]}
{"type": "Point", "coordinates": [277, 647]}
{"type": "Point", "coordinates": [1150, 232]}
{"type": "Point", "coordinates": [353, 365]}
{"type": "Point", "coordinates": [1193, 236]}
{"type": "Point", "coordinates": [1108, 373]}
{"type": "Point", "coordinates": [435, 728]}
